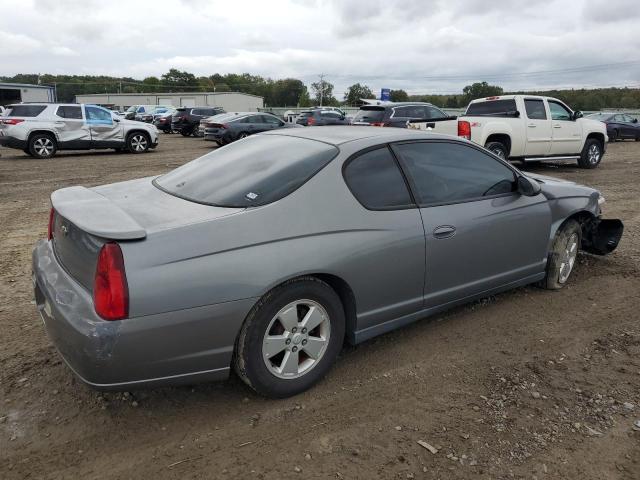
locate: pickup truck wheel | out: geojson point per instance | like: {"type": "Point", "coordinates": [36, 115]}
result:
{"type": "Point", "coordinates": [497, 149]}
{"type": "Point", "coordinates": [290, 338]}
{"type": "Point", "coordinates": [591, 154]}
{"type": "Point", "coordinates": [563, 255]}
{"type": "Point", "coordinates": [138, 142]}
{"type": "Point", "coordinates": [42, 145]}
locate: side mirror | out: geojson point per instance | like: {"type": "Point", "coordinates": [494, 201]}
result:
{"type": "Point", "coordinates": [635, 120]}
{"type": "Point", "coordinates": [577, 114]}
{"type": "Point", "coordinates": [528, 187]}
{"type": "Point", "coordinates": [116, 119]}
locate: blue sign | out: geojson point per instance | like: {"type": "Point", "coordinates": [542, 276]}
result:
{"type": "Point", "coordinates": [385, 94]}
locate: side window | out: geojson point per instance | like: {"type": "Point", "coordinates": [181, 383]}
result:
{"type": "Point", "coordinates": [453, 172]}
{"type": "Point", "coordinates": [270, 120]}
{"type": "Point", "coordinates": [98, 115]}
{"type": "Point", "coordinates": [627, 118]}
{"type": "Point", "coordinates": [402, 111]}
{"type": "Point", "coordinates": [141, 110]}
{"type": "Point", "coordinates": [71, 112]}
{"type": "Point", "coordinates": [535, 109]}
{"type": "Point", "coordinates": [196, 111]}
{"type": "Point", "coordinates": [376, 181]}
{"type": "Point", "coordinates": [558, 111]}
{"type": "Point", "coordinates": [618, 118]}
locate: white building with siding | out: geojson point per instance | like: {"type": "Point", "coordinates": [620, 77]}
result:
{"type": "Point", "coordinates": [230, 101]}
{"type": "Point", "coordinates": [24, 92]}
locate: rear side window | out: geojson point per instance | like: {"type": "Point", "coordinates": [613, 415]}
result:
{"type": "Point", "coordinates": [257, 171]}
{"type": "Point", "coordinates": [451, 172]}
{"type": "Point", "coordinates": [25, 110]}
{"type": "Point", "coordinates": [535, 109]}
{"type": "Point", "coordinates": [375, 180]}
{"type": "Point", "coordinates": [492, 107]}
{"type": "Point", "coordinates": [305, 114]}
{"type": "Point", "coordinates": [70, 112]}
{"type": "Point", "coordinates": [369, 115]}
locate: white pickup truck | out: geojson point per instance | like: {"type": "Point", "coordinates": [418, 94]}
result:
{"type": "Point", "coordinates": [527, 128]}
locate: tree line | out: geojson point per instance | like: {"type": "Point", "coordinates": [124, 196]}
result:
{"type": "Point", "coordinates": [291, 92]}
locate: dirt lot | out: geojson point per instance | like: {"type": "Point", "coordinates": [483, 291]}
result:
{"type": "Point", "coordinates": [528, 384]}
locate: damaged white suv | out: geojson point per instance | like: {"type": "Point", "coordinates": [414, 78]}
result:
{"type": "Point", "coordinates": [40, 130]}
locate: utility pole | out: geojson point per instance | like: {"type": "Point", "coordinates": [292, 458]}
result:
{"type": "Point", "coordinates": [321, 87]}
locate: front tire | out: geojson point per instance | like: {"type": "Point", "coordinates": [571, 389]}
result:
{"type": "Point", "coordinates": [42, 145]}
{"type": "Point", "coordinates": [290, 338]}
{"type": "Point", "coordinates": [498, 149]}
{"type": "Point", "coordinates": [562, 257]}
{"type": "Point", "coordinates": [591, 154]}
{"type": "Point", "coordinates": [138, 142]}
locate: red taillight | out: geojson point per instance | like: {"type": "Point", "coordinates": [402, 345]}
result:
{"type": "Point", "coordinates": [110, 289]}
{"type": "Point", "coordinates": [311, 121]}
{"type": "Point", "coordinates": [52, 216]}
{"type": "Point", "coordinates": [12, 121]}
{"type": "Point", "coordinates": [377, 124]}
{"type": "Point", "coordinates": [464, 129]}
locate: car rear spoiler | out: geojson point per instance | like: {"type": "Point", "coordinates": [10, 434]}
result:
{"type": "Point", "coordinates": [95, 214]}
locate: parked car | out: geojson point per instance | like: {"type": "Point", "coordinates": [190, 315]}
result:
{"type": "Point", "coordinates": [42, 129]}
{"type": "Point", "coordinates": [162, 121]}
{"type": "Point", "coordinates": [150, 116]}
{"type": "Point", "coordinates": [2, 111]}
{"type": "Point", "coordinates": [229, 127]}
{"type": "Point", "coordinates": [397, 114]}
{"type": "Point", "coordinates": [528, 128]}
{"type": "Point", "coordinates": [134, 110]}
{"type": "Point", "coordinates": [321, 117]}
{"type": "Point", "coordinates": [620, 126]}
{"type": "Point", "coordinates": [186, 120]}
{"type": "Point", "coordinates": [265, 254]}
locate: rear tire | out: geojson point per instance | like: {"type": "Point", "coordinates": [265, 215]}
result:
{"type": "Point", "coordinates": [591, 154]}
{"type": "Point", "coordinates": [185, 133]}
{"type": "Point", "coordinates": [42, 145]}
{"type": "Point", "coordinates": [498, 149]}
{"type": "Point", "coordinates": [275, 354]}
{"type": "Point", "coordinates": [138, 142]}
{"type": "Point", "coordinates": [614, 136]}
{"type": "Point", "coordinates": [562, 257]}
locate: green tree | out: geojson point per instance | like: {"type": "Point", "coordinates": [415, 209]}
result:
{"type": "Point", "coordinates": [355, 92]}
{"type": "Point", "coordinates": [287, 92]}
{"type": "Point", "coordinates": [323, 93]}
{"type": "Point", "coordinates": [452, 102]}
{"type": "Point", "coordinates": [176, 79]}
{"type": "Point", "coordinates": [480, 90]}
{"type": "Point", "coordinates": [399, 96]}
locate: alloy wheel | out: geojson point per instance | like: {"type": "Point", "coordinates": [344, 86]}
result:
{"type": "Point", "coordinates": [296, 339]}
{"type": "Point", "coordinates": [568, 258]}
{"type": "Point", "coordinates": [43, 147]}
{"type": "Point", "coordinates": [593, 154]}
{"type": "Point", "coordinates": [139, 143]}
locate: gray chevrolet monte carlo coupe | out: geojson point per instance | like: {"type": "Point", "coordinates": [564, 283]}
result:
{"type": "Point", "coordinates": [266, 254]}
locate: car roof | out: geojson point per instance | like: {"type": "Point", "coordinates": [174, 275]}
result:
{"type": "Point", "coordinates": [340, 134]}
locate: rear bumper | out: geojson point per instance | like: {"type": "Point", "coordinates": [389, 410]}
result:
{"type": "Point", "coordinates": [12, 142]}
{"type": "Point", "coordinates": [173, 348]}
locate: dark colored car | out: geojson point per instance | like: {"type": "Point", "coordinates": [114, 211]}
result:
{"type": "Point", "coordinates": [620, 126]}
{"type": "Point", "coordinates": [321, 117]}
{"type": "Point", "coordinates": [149, 117]}
{"type": "Point", "coordinates": [397, 114]}
{"type": "Point", "coordinates": [162, 121]}
{"type": "Point", "coordinates": [186, 120]}
{"type": "Point", "coordinates": [228, 127]}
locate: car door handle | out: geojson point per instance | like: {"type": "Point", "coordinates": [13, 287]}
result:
{"type": "Point", "coordinates": [557, 125]}
{"type": "Point", "coordinates": [532, 125]}
{"type": "Point", "coordinates": [444, 231]}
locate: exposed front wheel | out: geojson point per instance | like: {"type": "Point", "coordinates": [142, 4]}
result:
{"type": "Point", "coordinates": [42, 145]}
{"type": "Point", "coordinates": [563, 255]}
{"type": "Point", "coordinates": [591, 154]}
{"type": "Point", "coordinates": [290, 338]}
{"type": "Point", "coordinates": [138, 143]}
{"type": "Point", "coordinates": [497, 149]}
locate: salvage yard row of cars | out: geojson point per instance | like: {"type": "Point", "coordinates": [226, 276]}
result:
{"type": "Point", "coordinates": [514, 127]}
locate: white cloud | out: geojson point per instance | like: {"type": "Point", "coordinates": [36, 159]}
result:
{"type": "Point", "coordinates": [435, 46]}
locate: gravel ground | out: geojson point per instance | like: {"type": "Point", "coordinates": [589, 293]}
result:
{"type": "Point", "coordinates": [527, 384]}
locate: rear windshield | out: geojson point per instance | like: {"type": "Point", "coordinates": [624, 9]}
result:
{"type": "Point", "coordinates": [25, 110]}
{"type": "Point", "coordinates": [492, 107]}
{"type": "Point", "coordinates": [369, 115]}
{"type": "Point", "coordinates": [305, 114]}
{"type": "Point", "coordinates": [258, 170]}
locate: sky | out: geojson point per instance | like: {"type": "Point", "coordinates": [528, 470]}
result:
{"type": "Point", "coordinates": [422, 46]}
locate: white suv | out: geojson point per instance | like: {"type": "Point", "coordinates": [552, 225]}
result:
{"type": "Point", "coordinates": [42, 129]}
